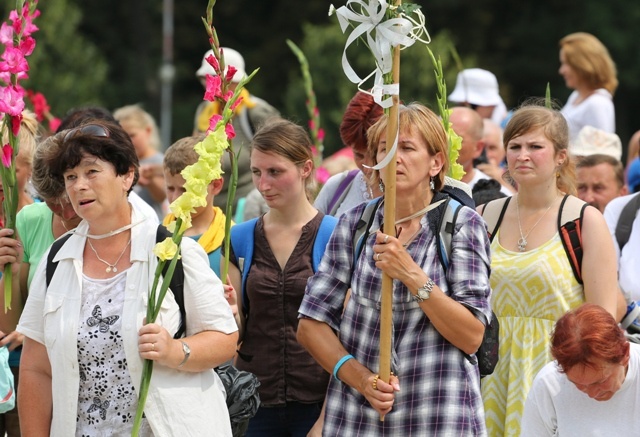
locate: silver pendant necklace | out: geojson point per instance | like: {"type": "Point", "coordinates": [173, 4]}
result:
{"type": "Point", "coordinates": [522, 241]}
{"type": "Point", "coordinates": [110, 267]}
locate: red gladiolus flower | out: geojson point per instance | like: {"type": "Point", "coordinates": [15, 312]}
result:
{"type": "Point", "coordinates": [27, 45]}
{"type": "Point", "coordinates": [7, 155]}
{"type": "Point", "coordinates": [54, 124]}
{"type": "Point", "coordinates": [213, 121]}
{"type": "Point", "coordinates": [321, 135]}
{"type": "Point", "coordinates": [231, 71]}
{"type": "Point", "coordinates": [15, 124]}
{"type": "Point", "coordinates": [227, 95]}
{"type": "Point", "coordinates": [213, 62]}
{"type": "Point", "coordinates": [212, 88]}
{"type": "Point", "coordinates": [230, 131]}
{"type": "Point", "coordinates": [236, 103]}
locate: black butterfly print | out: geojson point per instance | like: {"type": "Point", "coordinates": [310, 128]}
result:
{"type": "Point", "coordinates": [97, 319]}
{"type": "Point", "coordinates": [99, 406]}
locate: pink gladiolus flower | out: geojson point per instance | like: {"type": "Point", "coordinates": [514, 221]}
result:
{"type": "Point", "coordinates": [316, 111]}
{"type": "Point", "coordinates": [212, 88]}
{"type": "Point", "coordinates": [15, 124]}
{"type": "Point", "coordinates": [14, 61]}
{"type": "Point", "coordinates": [227, 95]}
{"type": "Point", "coordinates": [7, 155]}
{"type": "Point", "coordinates": [27, 45]}
{"type": "Point", "coordinates": [230, 131]}
{"type": "Point", "coordinates": [54, 124]}
{"type": "Point", "coordinates": [236, 103]}
{"type": "Point", "coordinates": [6, 35]}
{"type": "Point", "coordinates": [231, 71]}
{"type": "Point", "coordinates": [312, 125]}
{"type": "Point", "coordinates": [213, 62]}
{"type": "Point", "coordinates": [321, 135]}
{"type": "Point", "coordinates": [322, 174]}
{"type": "Point", "coordinates": [213, 121]}
{"type": "Point", "coordinates": [11, 101]}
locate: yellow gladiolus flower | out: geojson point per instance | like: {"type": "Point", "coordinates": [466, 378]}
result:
{"type": "Point", "coordinates": [165, 250]}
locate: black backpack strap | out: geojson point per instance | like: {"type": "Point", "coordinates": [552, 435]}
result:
{"type": "Point", "coordinates": [493, 213]}
{"type": "Point", "coordinates": [176, 284]}
{"type": "Point", "coordinates": [51, 265]}
{"type": "Point", "coordinates": [362, 229]}
{"type": "Point", "coordinates": [625, 221]}
{"type": "Point", "coordinates": [570, 218]}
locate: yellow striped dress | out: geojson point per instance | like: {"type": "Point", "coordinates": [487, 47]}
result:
{"type": "Point", "coordinates": [531, 290]}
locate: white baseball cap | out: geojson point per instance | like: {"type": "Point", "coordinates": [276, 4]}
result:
{"type": "Point", "coordinates": [477, 87]}
{"type": "Point", "coordinates": [591, 140]}
{"type": "Point", "coordinates": [231, 57]}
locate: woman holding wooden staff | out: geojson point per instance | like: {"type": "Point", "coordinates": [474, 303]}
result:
{"type": "Point", "coordinates": [439, 314]}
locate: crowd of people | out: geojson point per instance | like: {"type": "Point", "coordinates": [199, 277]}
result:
{"type": "Point", "coordinates": [548, 254]}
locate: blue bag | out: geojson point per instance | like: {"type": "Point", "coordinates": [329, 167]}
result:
{"type": "Point", "coordinates": [7, 393]}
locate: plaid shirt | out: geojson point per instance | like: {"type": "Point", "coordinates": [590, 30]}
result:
{"type": "Point", "coordinates": [440, 388]}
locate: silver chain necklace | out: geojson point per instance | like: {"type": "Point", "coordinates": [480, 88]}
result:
{"type": "Point", "coordinates": [110, 267]}
{"type": "Point", "coordinates": [522, 242]}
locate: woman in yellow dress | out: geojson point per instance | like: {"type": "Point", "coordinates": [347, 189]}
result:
{"type": "Point", "coordinates": [531, 277]}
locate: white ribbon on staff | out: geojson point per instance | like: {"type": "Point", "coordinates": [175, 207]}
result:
{"type": "Point", "coordinates": [381, 37]}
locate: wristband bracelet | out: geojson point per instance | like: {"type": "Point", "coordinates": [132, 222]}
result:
{"type": "Point", "coordinates": [339, 364]}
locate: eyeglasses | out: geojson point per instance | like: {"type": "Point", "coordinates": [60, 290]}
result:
{"type": "Point", "coordinates": [92, 130]}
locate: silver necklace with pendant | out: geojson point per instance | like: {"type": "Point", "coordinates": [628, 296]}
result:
{"type": "Point", "coordinates": [110, 267]}
{"type": "Point", "coordinates": [522, 241]}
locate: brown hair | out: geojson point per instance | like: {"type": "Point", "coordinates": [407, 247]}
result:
{"type": "Point", "coordinates": [590, 60]}
{"type": "Point", "coordinates": [419, 119]}
{"type": "Point", "coordinates": [287, 139]}
{"type": "Point", "coordinates": [589, 161]}
{"type": "Point", "coordinates": [182, 154]}
{"type": "Point", "coordinates": [531, 116]}
{"type": "Point", "coordinates": [587, 334]}
{"type": "Point", "coordinates": [141, 119]}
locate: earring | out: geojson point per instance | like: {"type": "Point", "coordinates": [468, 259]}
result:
{"type": "Point", "coordinates": [432, 184]}
{"type": "Point", "coordinates": [381, 185]}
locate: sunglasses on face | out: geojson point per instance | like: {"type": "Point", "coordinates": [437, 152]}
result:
{"type": "Point", "coordinates": [92, 130]}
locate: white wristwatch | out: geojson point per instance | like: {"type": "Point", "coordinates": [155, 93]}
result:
{"type": "Point", "coordinates": [424, 292]}
{"type": "Point", "coordinates": [187, 353]}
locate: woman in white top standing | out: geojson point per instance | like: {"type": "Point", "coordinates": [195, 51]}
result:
{"type": "Point", "coordinates": [587, 68]}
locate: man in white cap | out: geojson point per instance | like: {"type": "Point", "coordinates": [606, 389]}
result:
{"type": "Point", "coordinates": [478, 89]}
{"type": "Point", "coordinates": [249, 115]}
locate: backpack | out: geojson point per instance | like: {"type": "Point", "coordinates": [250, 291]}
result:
{"type": "Point", "coordinates": [7, 393]}
{"type": "Point", "coordinates": [625, 221]}
{"type": "Point", "coordinates": [569, 224]}
{"type": "Point", "coordinates": [241, 387]}
{"type": "Point", "coordinates": [242, 244]}
{"type": "Point", "coordinates": [444, 225]}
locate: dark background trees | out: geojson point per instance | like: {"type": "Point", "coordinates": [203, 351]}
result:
{"type": "Point", "coordinates": [110, 53]}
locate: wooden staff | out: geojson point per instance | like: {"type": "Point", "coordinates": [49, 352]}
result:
{"type": "Point", "coordinates": [386, 304]}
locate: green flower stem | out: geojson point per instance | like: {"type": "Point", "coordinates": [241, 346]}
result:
{"type": "Point", "coordinates": [233, 183]}
{"type": "Point", "coordinates": [9, 204]}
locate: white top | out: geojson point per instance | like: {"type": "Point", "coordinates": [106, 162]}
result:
{"type": "Point", "coordinates": [629, 259]}
{"type": "Point", "coordinates": [356, 193]}
{"type": "Point", "coordinates": [143, 207]}
{"type": "Point", "coordinates": [189, 403]}
{"type": "Point", "coordinates": [597, 110]}
{"type": "Point", "coordinates": [555, 407]}
{"type": "Point", "coordinates": [478, 175]}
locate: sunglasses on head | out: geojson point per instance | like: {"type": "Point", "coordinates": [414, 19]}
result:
{"type": "Point", "coordinates": [92, 130]}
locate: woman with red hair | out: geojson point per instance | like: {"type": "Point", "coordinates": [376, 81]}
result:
{"type": "Point", "coordinates": [350, 188]}
{"type": "Point", "coordinates": [593, 387]}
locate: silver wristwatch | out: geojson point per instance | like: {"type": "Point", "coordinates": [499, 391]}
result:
{"type": "Point", "coordinates": [187, 353]}
{"type": "Point", "coordinates": [424, 292]}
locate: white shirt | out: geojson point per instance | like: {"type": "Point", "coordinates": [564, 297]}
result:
{"type": "Point", "coordinates": [629, 259]}
{"type": "Point", "coordinates": [478, 175]}
{"type": "Point", "coordinates": [356, 193]}
{"type": "Point", "coordinates": [143, 207]}
{"type": "Point", "coordinates": [185, 403]}
{"type": "Point", "coordinates": [555, 407]}
{"type": "Point", "coordinates": [597, 110]}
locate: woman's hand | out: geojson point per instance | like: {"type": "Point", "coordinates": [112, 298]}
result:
{"type": "Point", "coordinates": [11, 251]}
{"type": "Point", "coordinates": [392, 258]}
{"type": "Point", "coordinates": [380, 394]}
{"type": "Point", "coordinates": [155, 343]}
{"type": "Point", "coordinates": [12, 340]}
{"type": "Point", "coordinates": [231, 296]}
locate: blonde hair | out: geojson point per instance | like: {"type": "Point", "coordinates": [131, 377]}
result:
{"type": "Point", "coordinates": [141, 119]}
{"type": "Point", "coordinates": [531, 116]}
{"type": "Point", "coordinates": [590, 60]}
{"type": "Point", "coordinates": [418, 119]}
